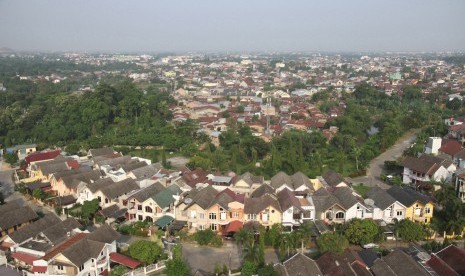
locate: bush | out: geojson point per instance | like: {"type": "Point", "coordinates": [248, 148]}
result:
{"type": "Point", "coordinates": [146, 251]}
{"type": "Point", "coordinates": [332, 242]}
{"type": "Point", "coordinates": [217, 241]}
{"type": "Point", "coordinates": [204, 237]}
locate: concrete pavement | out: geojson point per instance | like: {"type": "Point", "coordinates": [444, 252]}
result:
{"type": "Point", "coordinates": [375, 169]}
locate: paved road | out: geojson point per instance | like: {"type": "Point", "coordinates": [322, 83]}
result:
{"type": "Point", "coordinates": [6, 172]}
{"type": "Point", "coordinates": [375, 169]}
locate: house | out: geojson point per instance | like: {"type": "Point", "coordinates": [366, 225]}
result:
{"type": "Point", "coordinates": [13, 216]}
{"type": "Point", "coordinates": [459, 181]}
{"type": "Point", "coordinates": [139, 206]}
{"type": "Point", "coordinates": [448, 261]}
{"type": "Point", "coordinates": [22, 150]}
{"type": "Point", "coordinates": [383, 206]}
{"type": "Point", "coordinates": [115, 193]}
{"type": "Point", "coordinates": [80, 254]}
{"type": "Point", "coordinates": [100, 152]}
{"type": "Point", "coordinates": [397, 263]}
{"type": "Point", "coordinates": [426, 168]}
{"type": "Point", "coordinates": [419, 207]}
{"type": "Point", "coordinates": [293, 212]}
{"type": "Point", "coordinates": [299, 264]}
{"type": "Point", "coordinates": [41, 156]}
{"type": "Point", "coordinates": [327, 207]}
{"type": "Point", "coordinates": [296, 182]}
{"type": "Point", "coordinates": [346, 264]}
{"type": "Point", "coordinates": [352, 203]}
{"type": "Point", "coordinates": [68, 184]}
{"type": "Point", "coordinates": [334, 179]}
{"type": "Point", "coordinates": [265, 210]}
{"type": "Point", "coordinates": [86, 191]}
{"type": "Point", "coordinates": [246, 182]}
{"type": "Point", "coordinates": [262, 190]}
{"type": "Point", "coordinates": [31, 230]}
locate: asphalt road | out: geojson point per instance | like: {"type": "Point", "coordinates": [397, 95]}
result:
{"type": "Point", "coordinates": [375, 169]}
{"type": "Point", "coordinates": [6, 173]}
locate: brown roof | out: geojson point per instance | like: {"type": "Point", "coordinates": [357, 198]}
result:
{"type": "Point", "coordinates": [12, 214]}
{"type": "Point", "coordinates": [333, 178]}
{"type": "Point", "coordinates": [450, 147]}
{"type": "Point", "coordinates": [301, 265]}
{"type": "Point", "coordinates": [398, 263]}
{"type": "Point", "coordinates": [287, 199]}
{"type": "Point", "coordinates": [454, 257]}
{"type": "Point", "coordinates": [256, 205]}
{"type": "Point", "coordinates": [426, 164]}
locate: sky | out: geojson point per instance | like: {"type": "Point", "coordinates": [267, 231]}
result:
{"type": "Point", "coordinates": [235, 25]}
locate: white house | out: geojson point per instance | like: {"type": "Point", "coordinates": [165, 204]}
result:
{"type": "Point", "coordinates": [383, 206]}
{"type": "Point", "coordinates": [426, 168]}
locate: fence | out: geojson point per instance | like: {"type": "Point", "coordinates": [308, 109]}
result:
{"type": "Point", "coordinates": [146, 269]}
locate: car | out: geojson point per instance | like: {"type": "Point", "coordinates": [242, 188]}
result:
{"type": "Point", "coordinates": [370, 245]}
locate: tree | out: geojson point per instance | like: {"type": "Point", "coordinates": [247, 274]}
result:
{"type": "Point", "coordinates": [177, 266]}
{"type": "Point", "coordinates": [332, 242]}
{"type": "Point", "coordinates": [146, 251]}
{"type": "Point", "coordinates": [261, 248]}
{"type": "Point", "coordinates": [361, 231]}
{"type": "Point", "coordinates": [10, 158]}
{"type": "Point", "coordinates": [89, 208]}
{"type": "Point", "coordinates": [248, 269]}
{"type": "Point", "coordinates": [118, 270]}
{"type": "Point", "coordinates": [242, 237]}
{"type": "Point", "coordinates": [204, 237]}
{"type": "Point", "coordinates": [38, 194]}
{"type": "Point", "coordinates": [305, 231]}
{"type": "Point", "coordinates": [267, 270]}
{"type": "Point", "coordinates": [410, 231]}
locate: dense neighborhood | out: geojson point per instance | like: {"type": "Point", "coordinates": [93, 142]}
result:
{"type": "Point", "coordinates": [263, 158]}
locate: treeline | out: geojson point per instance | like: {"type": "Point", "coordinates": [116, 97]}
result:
{"type": "Point", "coordinates": [118, 114]}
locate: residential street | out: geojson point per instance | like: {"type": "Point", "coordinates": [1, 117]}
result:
{"type": "Point", "coordinates": [376, 165]}
{"type": "Point", "coordinates": [6, 173]}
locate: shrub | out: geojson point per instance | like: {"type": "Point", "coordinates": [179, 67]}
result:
{"type": "Point", "coordinates": [204, 237]}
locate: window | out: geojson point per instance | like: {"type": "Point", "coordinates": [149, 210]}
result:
{"type": "Point", "coordinates": [140, 217]}
{"type": "Point", "coordinates": [236, 215]}
{"type": "Point", "coordinates": [251, 216]}
{"type": "Point", "coordinates": [148, 209]}
{"type": "Point", "coordinates": [427, 210]}
{"type": "Point", "coordinates": [81, 267]}
{"type": "Point", "coordinates": [214, 226]}
{"type": "Point", "coordinates": [106, 200]}
{"type": "Point", "coordinates": [60, 267]}
{"type": "Point", "coordinates": [201, 227]}
{"type": "Point", "coordinates": [339, 215]}
{"type": "Point", "coordinates": [399, 213]}
{"type": "Point", "coordinates": [201, 215]}
{"type": "Point", "coordinates": [212, 216]}
{"type": "Point", "coordinates": [139, 207]}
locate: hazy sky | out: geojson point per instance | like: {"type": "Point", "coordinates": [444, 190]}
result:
{"type": "Point", "coordinates": [235, 25]}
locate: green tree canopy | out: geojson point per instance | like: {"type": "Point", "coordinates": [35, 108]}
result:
{"type": "Point", "coordinates": [361, 232]}
{"type": "Point", "coordinates": [332, 242]}
{"type": "Point", "coordinates": [410, 231]}
{"type": "Point", "coordinates": [146, 251]}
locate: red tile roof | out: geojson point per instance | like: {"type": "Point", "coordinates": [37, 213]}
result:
{"type": "Point", "coordinates": [25, 258]}
{"type": "Point", "coordinates": [65, 245]}
{"type": "Point", "coordinates": [453, 256]}
{"type": "Point", "coordinates": [124, 260]}
{"type": "Point", "coordinates": [450, 147]}
{"type": "Point", "coordinates": [234, 226]}
{"type": "Point", "coordinates": [73, 164]}
{"type": "Point", "coordinates": [440, 266]}
{"type": "Point", "coordinates": [41, 156]}
{"type": "Point", "coordinates": [39, 269]}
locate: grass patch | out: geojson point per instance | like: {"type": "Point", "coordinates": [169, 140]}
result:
{"type": "Point", "coordinates": [361, 189]}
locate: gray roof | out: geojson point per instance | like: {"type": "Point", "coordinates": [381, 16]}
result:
{"type": "Point", "coordinates": [146, 193]}
{"type": "Point", "coordinates": [333, 178]}
{"type": "Point", "coordinates": [287, 199]}
{"type": "Point", "coordinates": [31, 230]}
{"type": "Point", "coordinates": [295, 181]}
{"type": "Point", "coordinates": [113, 211]}
{"type": "Point", "coordinates": [262, 190]}
{"type": "Point", "coordinates": [120, 188]}
{"type": "Point", "coordinates": [132, 165]}
{"type": "Point", "coordinates": [250, 178]}
{"type": "Point", "coordinates": [381, 198]}
{"type": "Point", "coordinates": [323, 200]}
{"type": "Point", "coordinates": [407, 196]}
{"type": "Point", "coordinates": [204, 197]}
{"type": "Point", "coordinates": [100, 184]}
{"type": "Point", "coordinates": [256, 205]}
{"type": "Point", "coordinates": [114, 161]}
{"type": "Point", "coordinates": [300, 264]}
{"type": "Point", "coordinates": [345, 197]}
{"type": "Point", "coordinates": [101, 151]}
{"type": "Point", "coordinates": [104, 233]}
{"type": "Point", "coordinates": [59, 232]}
{"type": "Point", "coordinates": [72, 181]}
{"type": "Point", "coordinates": [146, 172]}
{"type": "Point", "coordinates": [83, 250]}
{"type": "Point", "coordinates": [12, 214]}
{"type": "Point", "coordinates": [397, 263]}
{"type": "Point", "coordinates": [165, 197]}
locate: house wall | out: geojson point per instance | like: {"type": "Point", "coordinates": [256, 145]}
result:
{"type": "Point", "coordinates": [133, 209]}
{"type": "Point", "coordinates": [417, 212]}
{"type": "Point", "coordinates": [356, 211]}
{"type": "Point", "coordinates": [323, 215]}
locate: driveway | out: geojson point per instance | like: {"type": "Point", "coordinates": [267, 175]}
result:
{"type": "Point", "coordinates": [376, 166]}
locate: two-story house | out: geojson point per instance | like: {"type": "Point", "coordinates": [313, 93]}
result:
{"type": "Point", "coordinates": [295, 211]}
{"type": "Point", "coordinates": [383, 206]}
{"type": "Point", "coordinates": [141, 205]}
{"type": "Point", "coordinates": [426, 168]}
{"type": "Point", "coordinates": [265, 210]}
{"type": "Point", "coordinates": [419, 207]}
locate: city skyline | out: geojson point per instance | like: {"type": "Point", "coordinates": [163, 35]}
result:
{"type": "Point", "coordinates": [209, 26]}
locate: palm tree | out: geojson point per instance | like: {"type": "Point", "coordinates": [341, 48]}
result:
{"type": "Point", "coordinates": [243, 236]}
{"type": "Point", "coordinates": [305, 231]}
